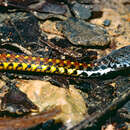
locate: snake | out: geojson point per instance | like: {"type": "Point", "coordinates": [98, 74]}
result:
{"type": "Point", "coordinates": [115, 61]}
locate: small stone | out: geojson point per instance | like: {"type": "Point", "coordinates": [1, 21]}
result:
{"type": "Point", "coordinates": [49, 27]}
{"type": "Point", "coordinates": [81, 11]}
{"type": "Point", "coordinates": [106, 22]}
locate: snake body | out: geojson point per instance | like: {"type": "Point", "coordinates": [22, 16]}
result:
{"type": "Point", "coordinates": [117, 60]}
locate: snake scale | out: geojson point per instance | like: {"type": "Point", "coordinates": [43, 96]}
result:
{"type": "Point", "coordinates": [117, 60]}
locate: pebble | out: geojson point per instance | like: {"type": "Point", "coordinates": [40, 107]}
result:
{"type": "Point", "coordinates": [81, 11]}
{"type": "Point", "coordinates": [106, 22]}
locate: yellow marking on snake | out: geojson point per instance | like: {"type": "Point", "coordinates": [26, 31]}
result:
{"type": "Point", "coordinates": [61, 70]}
{"type": "Point", "coordinates": [50, 60]}
{"type": "Point", "coordinates": [41, 59]}
{"type": "Point", "coordinates": [33, 67]}
{"type": "Point", "coordinates": [17, 56]}
{"type": "Point", "coordinates": [19, 67]}
{"type": "Point", "coordinates": [5, 65]}
{"type": "Point", "coordinates": [44, 67]}
{"type": "Point", "coordinates": [57, 61]}
{"type": "Point", "coordinates": [8, 55]}
{"type": "Point", "coordinates": [33, 58]}
{"type": "Point", "coordinates": [65, 62]}
{"type": "Point", "coordinates": [72, 63]}
{"type": "Point", "coordinates": [14, 66]}
{"type": "Point", "coordinates": [80, 64]}
{"type": "Point", "coordinates": [1, 66]}
{"type": "Point", "coordinates": [89, 65]}
{"type": "Point", "coordinates": [53, 68]}
{"type": "Point", "coordinates": [25, 57]}
{"type": "Point", "coordinates": [70, 71]}
{"type": "Point", "coordinates": [24, 66]}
